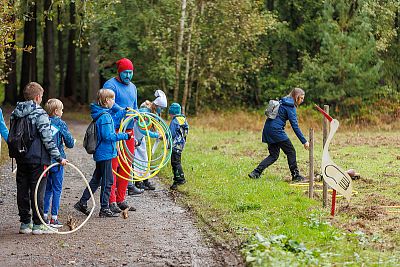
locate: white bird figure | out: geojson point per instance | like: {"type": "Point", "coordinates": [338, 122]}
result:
{"type": "Point", "coordinates": [333, 175]}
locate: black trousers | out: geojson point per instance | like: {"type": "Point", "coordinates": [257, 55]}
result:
{"type": "Point", "coordinates": [27, 178]}
{"type": "Point", "coordinates": [176, 158]}
{"type": "Point", "coordinates": [274, 149]}
{"type": "Point", "coordinates": [102, 176]}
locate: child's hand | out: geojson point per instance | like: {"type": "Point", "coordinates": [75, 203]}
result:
{"type": "Point", "coordinates": [137, 143]}
{"type": "Point", "coordinates": [307, 145]}
{"type": "Point", "coordinates": [63, 162]}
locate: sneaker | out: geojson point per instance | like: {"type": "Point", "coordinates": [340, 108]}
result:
{"type": "Point", "coordinates": [299, 179]}
{"type": "Point", "coordinates": [55, 223]}
{"type": "Point", "coordinates": [134, 191]}
{"type": "Point", "coordinates": [123, 205]}
{"type": "Point", "coordinates": [105, 212]}
{"type": "Point", "coordinates": [254, 175]}
{"type": "Point", "coordinates": [147, 185]}
{"type": "Point", "coordinates": [114, 208]}
{"type": "Point", "coordinates": [39, 229]}
{"type": "Point", "coordinates": [25, 228]}
{"type": "Point", "coordinates": [46, 221]}
{"type": "Point", "coordinates": [181, 181]}
{"type": "Point", "coordinates": [82, 208]}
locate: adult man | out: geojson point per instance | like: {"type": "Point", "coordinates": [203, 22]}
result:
{"type": "Point", "coordinates": [125, 96]}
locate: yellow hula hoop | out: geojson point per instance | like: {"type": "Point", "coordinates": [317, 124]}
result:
{"type": "Point", "coordinates": [123, 157]}
{"type": "Point", "coordinates": [91, 196]}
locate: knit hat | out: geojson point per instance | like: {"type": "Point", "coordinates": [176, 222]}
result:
{"type": "Point", "coordinates": [124, 64]}
{"type": "Point", "coordinates": [174, 109]}
{"type": "Point", "coordinates": [161, 99]}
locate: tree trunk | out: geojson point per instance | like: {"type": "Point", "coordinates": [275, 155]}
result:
{"type": "Point", "coordinates": [61, 86]}
{"type": "Point", "coordinates": [29, 70]}
{"type": "Point", "coordinates": [70, 79]}
{"type": "Point", "coordinates": [82, 72]}
{"type": "Point", "coordinates": [270, 5]}
{"type": "Point", "coordinates": [179, 50]}
{"type": "Point", "coordinates": [11, 90]}
{"type": "Point", "coordinates": [94, 77]}
{"type": "Point", "coordinates": [49, 74]}
{"type": "Point", "coordinates": [186, 88]}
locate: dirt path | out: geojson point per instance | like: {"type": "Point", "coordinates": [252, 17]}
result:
{"type": "Point", "coordinates": [159, 233]}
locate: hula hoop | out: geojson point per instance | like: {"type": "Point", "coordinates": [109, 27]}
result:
{"type": "Point", "coordinates": [136, 169]}
{"type": "Point", "coordinates": [88, 187]}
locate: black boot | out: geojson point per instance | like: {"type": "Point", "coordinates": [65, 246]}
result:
{"type": "Point", "coordinates": [147, 185]}
{"type": "Point", "coordinates": [254, 174]}
{"type": "Point", "coordinates": [296, 176]}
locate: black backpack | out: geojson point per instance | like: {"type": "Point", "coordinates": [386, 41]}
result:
{"type": "Point", "coordinates": [90, 139]}
{"type": "Point", "coordinates": [20, 137]}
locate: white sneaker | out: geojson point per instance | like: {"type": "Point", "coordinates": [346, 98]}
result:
{"type": "Point", "coordinates": [25, 228]}
{"type": "Point", "coordinates": [39, 229]}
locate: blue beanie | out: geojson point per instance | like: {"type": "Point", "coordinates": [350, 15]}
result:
{"type": "Point", "coordinates": [174, 109]}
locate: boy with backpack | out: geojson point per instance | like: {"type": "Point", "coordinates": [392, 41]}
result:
{"type": "Point", "coordinates": [61, 135]}
{"type": "Point", "coordinates": [104, 151]}
{"type": "Point", "coordinates": [179, 130]}
{"type": "Point", "coordinates": [31, 143]}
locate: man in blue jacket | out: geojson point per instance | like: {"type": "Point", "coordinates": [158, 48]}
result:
{"type": "Point", "coordinates": [125, 97]}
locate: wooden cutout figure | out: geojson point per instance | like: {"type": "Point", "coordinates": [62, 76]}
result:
{"type": "Point", "coordinates": [333, 175]}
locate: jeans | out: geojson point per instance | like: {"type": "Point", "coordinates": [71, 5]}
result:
{"type": "Point", "coordinates": [55, 178]}
{"type": "Point", "coordinates": [27, 178]}
{"type": "Point", "coordinates": [103, 177]}
{"type": "Point", "coordinates": [177, 166]}
{"type": "Point", "coordinates": [274, 149]}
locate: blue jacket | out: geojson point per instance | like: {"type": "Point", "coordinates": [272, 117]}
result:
{"type": "Point", "coordinates": [43, 148]}
{"type": "Point", "coordinates": [179, 129]}
{"type": "Point", "coordinates": [61, 135]}
{"type": "Point", "coordinates": [274, 130]}
{"type": "Point", "coordinates": [3, 127]}
{"type": "Point", "coordinates": [125, 96]}
{"type": "Point", "coordinates": [106, 136]}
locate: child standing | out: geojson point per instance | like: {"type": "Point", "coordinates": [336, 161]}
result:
{"type": "Point", "coordinates": [179, 130]}
{"type": "Point", "coordinates": [31, 164]}
{"type": "Point", "coordinates": [276, 138]}
{"type": "Point", "coordinates": [105, 151]}
{"type": "Point", "coordinates": [61, 136]}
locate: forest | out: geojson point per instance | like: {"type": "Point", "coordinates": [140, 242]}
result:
{"type": "Point", "coordinates": [207, 54]}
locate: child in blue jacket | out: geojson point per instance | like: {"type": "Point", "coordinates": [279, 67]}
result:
{"type": "Point", "coordinates": [106, 150]}
{"type": "Point", "coordinates": [179, 129]}
{"type": "Point", "coordinates": [3, 132]}
{"type": "Point", "coordinates": [61, 135]}
{"type": "Point", "coordinates": [275, 136]}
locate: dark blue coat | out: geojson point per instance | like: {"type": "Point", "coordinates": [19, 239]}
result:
{"type": "Point", "coordinates": [274, 130]}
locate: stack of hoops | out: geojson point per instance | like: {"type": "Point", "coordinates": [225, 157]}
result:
{"type": "Point", "coordinates": [140, 170]}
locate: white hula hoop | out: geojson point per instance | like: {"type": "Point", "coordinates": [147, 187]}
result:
{"type": "Point", "coordinates": [88, 187]}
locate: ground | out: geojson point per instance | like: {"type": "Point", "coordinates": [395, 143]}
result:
{"type": "Point", "coordinates": [159, 233]}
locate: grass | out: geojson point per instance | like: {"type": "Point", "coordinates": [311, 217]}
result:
{"type": "Point", "coordinates": [275, 223]}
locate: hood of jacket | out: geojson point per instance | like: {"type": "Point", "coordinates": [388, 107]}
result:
{"type": "Point", "coordinates": [96, 110]}
{"type": "Point", "coordinates": [288, 101]}
{"type": "Point", "coordinates": [23, 109]}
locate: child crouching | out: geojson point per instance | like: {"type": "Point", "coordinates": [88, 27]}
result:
{"type": "Point", "coordinates": [105, 151]}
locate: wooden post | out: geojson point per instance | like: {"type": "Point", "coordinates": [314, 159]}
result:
{"type": "Point", "coordinates": [325, 131]}
{"type": "Point", "coordinates": [311, 169]}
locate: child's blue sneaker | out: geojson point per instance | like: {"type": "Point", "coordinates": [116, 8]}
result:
{"type": "Point", "coordinates": [56, 223]}
{"type": "Point", "coordinates": [25, 228]}
{"type": "Point", "coordinates": [39, 229]}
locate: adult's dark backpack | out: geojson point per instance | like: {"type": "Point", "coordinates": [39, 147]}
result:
{"type": "Point", "coordinates": [20, 137]}
{"type": "Point", "coordinates": [90, 139]}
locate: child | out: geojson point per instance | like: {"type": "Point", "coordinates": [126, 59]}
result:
{"type": "Point", "coordinates": [106, 150]}
{"type": "Point", "coordinates": [3, 132]}
{"type": "Point", "coordinates": [179, 129]}
{"type": "Point", "coordinates": [276, 138]}
{"type": "Point", "coordinates": [31, 165]}
{"type": "Point", "coordinates": [61, 136]}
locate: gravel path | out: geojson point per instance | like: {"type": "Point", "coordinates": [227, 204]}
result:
{"type": "Point", "coordinates": [159, 233]}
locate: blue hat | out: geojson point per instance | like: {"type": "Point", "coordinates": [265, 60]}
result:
{"type": "Point", "coordinates": [174, 109]}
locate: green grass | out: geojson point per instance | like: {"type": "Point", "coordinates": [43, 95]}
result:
{"type": "Point", "coordinates": [235, 208]}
